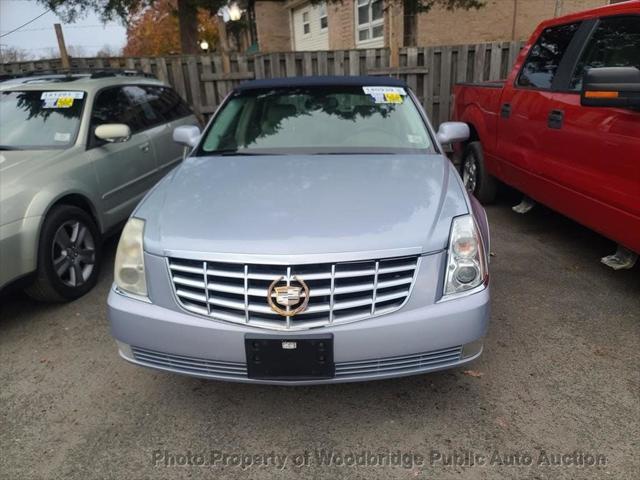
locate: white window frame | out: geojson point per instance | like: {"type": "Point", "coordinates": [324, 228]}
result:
{"type": "Point", "coordinates": [322, 13]}
{"type": "Point", "coordinates": [370, 42]}
{"type": "Point", "coordinates": [306, 22]}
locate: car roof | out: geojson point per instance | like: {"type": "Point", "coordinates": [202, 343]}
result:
{"type": "Point", "coordinates": [73, 81]}
{"type": "Point", "coordinates": [322, 81]}
{"type": "Point", "coordinates": [623, 8]}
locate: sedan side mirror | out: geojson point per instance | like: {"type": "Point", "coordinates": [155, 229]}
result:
{"type": "Point", "coordinates": [452, 132]}
{"type": "Point", "coordinates": [113, 132]}
{"type": "Point", "coordinates": [187, 135]}
{"type": "Point", "coordinates": [611, 87]}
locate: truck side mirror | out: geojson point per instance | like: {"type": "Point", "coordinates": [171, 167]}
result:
{"type": "Point", "coordinates": [611, 87]}
{"type": "Point", "coordinates": [452, 132]}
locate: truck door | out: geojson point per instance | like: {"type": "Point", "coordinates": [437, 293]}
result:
{"type": "Point", "coordinates": [594, 152]}
{"type": "Point", "coordinates": [524, 108]}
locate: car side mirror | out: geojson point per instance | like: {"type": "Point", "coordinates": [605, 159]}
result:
{"type": "Point", "coordinates": [611, 87]}
{"type": "Point", "coordinates": [452, 132]}
{"type": "Point", "coordinates": [113, 132]}
{"type": "Point", "coordinates": [187, 135]}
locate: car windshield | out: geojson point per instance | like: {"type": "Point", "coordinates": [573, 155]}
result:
{"type": "Point", "coordinates": [318, 120]}
{"type": "Point", "coordinates": [39, 119]}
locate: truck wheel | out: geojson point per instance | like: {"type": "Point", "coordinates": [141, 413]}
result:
{"type": "Point", "coordinates": [69, 255]}
{"type": "Point", "coordinates": [474, 174]}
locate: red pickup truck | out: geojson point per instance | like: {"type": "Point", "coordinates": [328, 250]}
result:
{"type": "Point", "coordinates": [564, 128]}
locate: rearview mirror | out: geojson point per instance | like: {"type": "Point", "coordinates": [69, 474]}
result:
{"type": "Point", "coordinates": [452, 132]}
{"type": "Point", "coordinates": [611, 87]}
{"type": "Point", "coordinates": [113, 132]}
{"type": "Point", "coordinates": [187, 135]}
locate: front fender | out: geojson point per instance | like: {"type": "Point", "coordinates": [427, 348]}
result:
{"type": "Point", "coordinates": [46, 198]}
{"type": "Point", "coordinates": [480, 215]}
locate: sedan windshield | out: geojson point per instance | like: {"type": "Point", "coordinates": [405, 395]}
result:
{"type": "Point", "coordinates": [318, 120]}
{"type": "Point", "coordinates": [39, 119]}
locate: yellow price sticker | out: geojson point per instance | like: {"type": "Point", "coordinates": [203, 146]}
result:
{"type": "Point", "coordinates": [392, 97]}
{"type": "Point", "coordinates": [64, 102]}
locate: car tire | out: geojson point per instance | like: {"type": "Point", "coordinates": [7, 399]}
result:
{"type": "Point", "coordinates": [69, 255]}
{"type": "Point", "coordinates": [475, 177]}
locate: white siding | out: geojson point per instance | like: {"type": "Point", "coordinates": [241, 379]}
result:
{"type": "Point", "coordinates": [316, 38]}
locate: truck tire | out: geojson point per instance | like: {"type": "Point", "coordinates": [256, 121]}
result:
{"type": "Point", "coordinates": [474, 174]}
{"type": "Point", "coordinates": [69, 254]}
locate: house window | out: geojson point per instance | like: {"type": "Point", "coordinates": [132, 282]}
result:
{"type": "Point", "coordinates": [306, 25]}
{"type": "Point", "coordinates": [324, 21]}
{"type": "Point", "coordinates": [370, 20]}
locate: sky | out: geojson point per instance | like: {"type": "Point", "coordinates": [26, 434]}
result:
{"type": "Point", "coordinates": [39, 38]}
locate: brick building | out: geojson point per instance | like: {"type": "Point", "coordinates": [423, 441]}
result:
{"type": "Point", "coordinates": [285, 25]}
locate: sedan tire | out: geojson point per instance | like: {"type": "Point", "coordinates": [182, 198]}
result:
{"type": "Point", "coordinates": [69, 255]}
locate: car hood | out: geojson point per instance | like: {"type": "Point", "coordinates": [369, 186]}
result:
{"type": "Point", "coordinates": [298, 207]}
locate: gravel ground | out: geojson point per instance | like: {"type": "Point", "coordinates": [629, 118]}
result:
{"type": "Point", "coordinates": [560, 374]}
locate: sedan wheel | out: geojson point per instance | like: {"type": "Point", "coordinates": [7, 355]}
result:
{"type": "Point", "coordinates": [69, 255]}
{"type": "Point", "coordinates": [73, 253]}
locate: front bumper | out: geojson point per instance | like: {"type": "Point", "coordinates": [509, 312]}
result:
{"type": "Point", "coordinates": [18, 248]}
{"type": "Point", "coordinates": [407, 342]}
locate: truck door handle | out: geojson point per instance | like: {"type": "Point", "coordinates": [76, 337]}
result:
{"type": "Point", "coordinates": [555, 120]}
{"type": "Point", "coordinates": [145, 147]}
{"type": "Point", "coordinates": [505, 110]}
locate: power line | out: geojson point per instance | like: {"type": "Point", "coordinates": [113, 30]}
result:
{"type": "Point", "coordinates": [25, 24]}
{"type": "Point", "coordinates": [68, 27]}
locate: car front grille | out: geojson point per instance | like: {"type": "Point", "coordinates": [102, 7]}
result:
{"type": "Point", "coordinates": [338, 292]}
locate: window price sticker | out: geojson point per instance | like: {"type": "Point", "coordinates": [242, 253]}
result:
{"type": "Point", "coordinates": [60, 99]}
{"type": "Point", "coordinates": [386, 94]}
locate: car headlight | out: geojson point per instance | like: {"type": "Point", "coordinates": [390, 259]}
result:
{"type": "Point", "coordinates": [466, 261]}
{"type": "Point", "coordinates": [129, 268]}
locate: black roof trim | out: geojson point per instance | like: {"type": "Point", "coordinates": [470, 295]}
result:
{"type": "Point", "coordinates": [72, 73]}
{"type": "Point", "coordinates": [321, 81]}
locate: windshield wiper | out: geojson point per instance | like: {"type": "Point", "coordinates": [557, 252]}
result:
{"type": "Point", "coordinates": [8, 147]}
{"type": "Point", "coordinates": [231, 152]}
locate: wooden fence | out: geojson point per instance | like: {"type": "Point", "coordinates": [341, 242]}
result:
{"type": "Point", "coordinates": [431, 72]}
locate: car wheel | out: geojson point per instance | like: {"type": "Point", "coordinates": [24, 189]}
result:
{"type": "Point", "coordinates": [69, 255]}
{"type": "Point", "coordinates": [474, 174]}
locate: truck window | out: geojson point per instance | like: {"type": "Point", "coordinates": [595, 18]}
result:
{"type": "Point", "coordinates": [545, 56]}
{"type": "Point", "coordinates": [615, 43]}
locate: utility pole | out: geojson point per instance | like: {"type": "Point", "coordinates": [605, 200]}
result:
{"type": "Point", "coordinates": [224, 45]}
{"type": "Point", "coordinates": [558, 10]}
{"type": "Point", "coordinates": [64, 56]}
{"type": "Point", "coordinates": [515, 17]}
{"type": "Point", "coordinates": [394, 18]}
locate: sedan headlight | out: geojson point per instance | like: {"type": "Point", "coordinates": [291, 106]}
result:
{"type": "Point", "coordinates": [129, 268]}
{"type": "Point", "coordinates": [466, 261]}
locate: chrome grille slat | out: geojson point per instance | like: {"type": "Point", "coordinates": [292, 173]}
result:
{"type": "Point", "coordinates": [182, 363]}
{"type": "Point", "coordinates": [400, 357]}
{"type": "Point", "coordinates": [339, 292]}
{"type": "Point", "coordinates": [362, 368]}
{"type": "Point", "coordinates": [405, 363]}
{"type": "Point", "coordinates": [400, 363]}
{"type": "Point", "coordinates": [190, 364]}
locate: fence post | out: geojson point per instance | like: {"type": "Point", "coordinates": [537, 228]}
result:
{"type": "Point", "coordinates": [394, 38]}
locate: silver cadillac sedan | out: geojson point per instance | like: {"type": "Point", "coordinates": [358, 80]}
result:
{"type": "Point", "coordinates": [315, 234]}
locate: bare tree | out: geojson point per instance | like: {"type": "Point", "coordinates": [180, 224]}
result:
{"type": "Point", "coordinates": [10, 54]}
{"type": "Point", "coordinates": [108, 51]}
